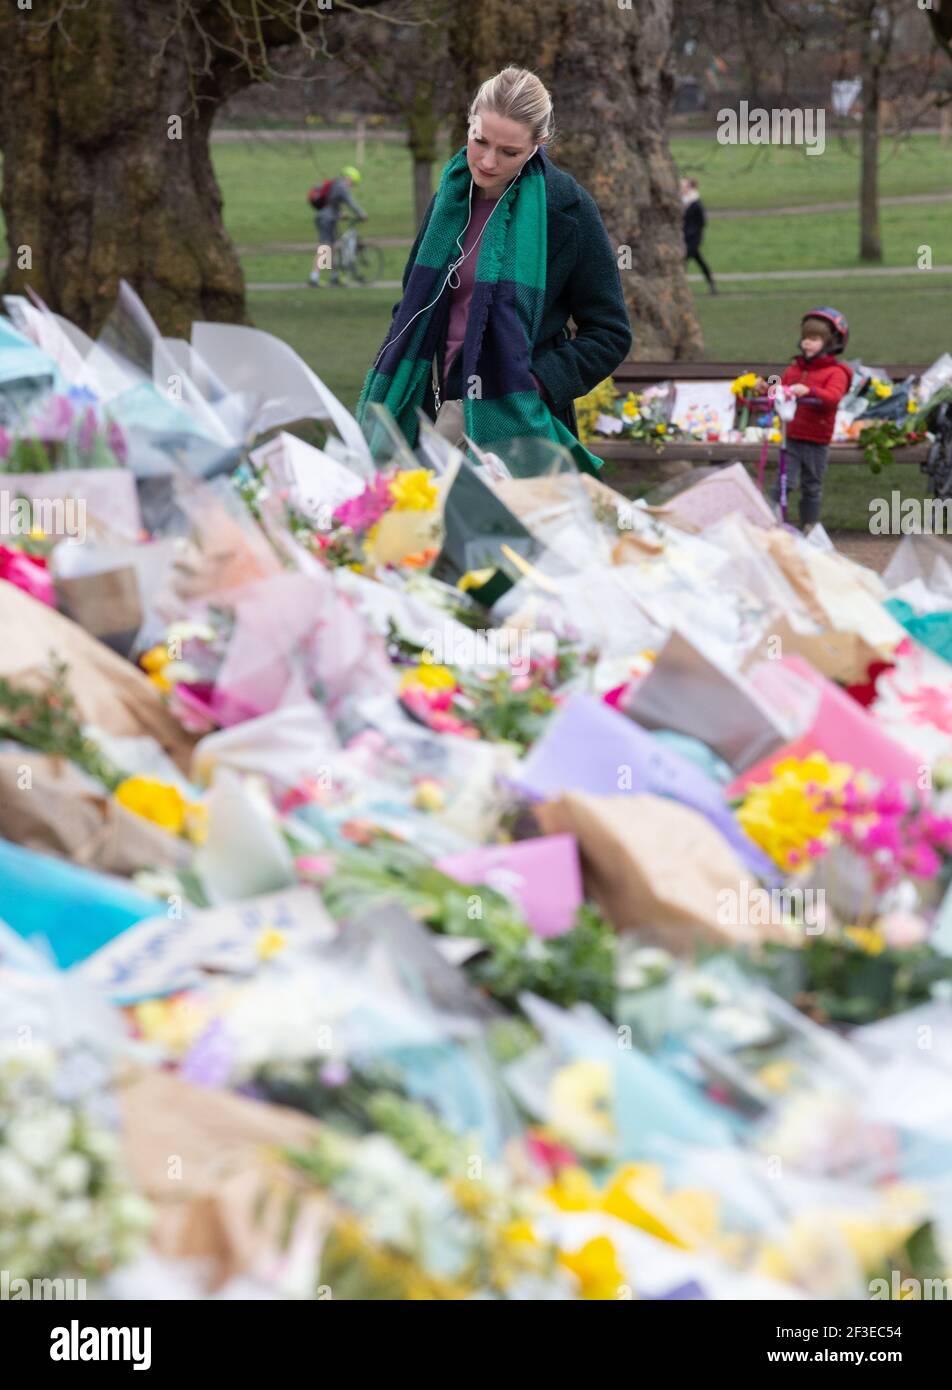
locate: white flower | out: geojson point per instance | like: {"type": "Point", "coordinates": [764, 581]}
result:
{"type": "Point", "coordinates": [40, 1139]}
{"type": "Point", "coordinates": [71, 1174]}
{"type": "Point", "coordinates": [133, 1212]}
{"type": "Point", "coordinates": [73, 1215]}
{"type": "Point", "coordinates": [102, 1145]}
{"type": "Point", "coordinates": [16, 1061]}
{"type": "Point", "coordinates": [630, 977]}
{"type": "Point", "coordinates": [17, 1182]}
{"type": "Point", "coordinates": [739, 1025]}
{"type": "Point", "coordinates": [705, 990]}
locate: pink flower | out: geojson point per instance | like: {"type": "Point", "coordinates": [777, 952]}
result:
{"type": "Point", "coordinates": [6, 442]}
{"type": "Point", "coordinates": [548, 1153]}
{"type": "Point", "coordinates": [519, 684]}
{"type": "Point", "coordinates": [27, 573]}
{"type": "Point", "coordinates": [314, 865]}
{"type": "Point", "coordinates": [883, 834]}
{"type": "Point", "coordinates": [903, 930]}
{"type": "Point", "coordinates": [359, 513]}
{"type": "Point", "coordinates": [889, 800]}
{"type": "Point", "coordinates": [921, 860]}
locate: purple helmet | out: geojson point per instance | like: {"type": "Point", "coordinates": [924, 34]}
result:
{"type": "Point", "coordinates": [837, 321]}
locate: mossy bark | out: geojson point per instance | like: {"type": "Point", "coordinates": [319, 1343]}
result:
{"type": "Point", "coordinates": [105, 120]}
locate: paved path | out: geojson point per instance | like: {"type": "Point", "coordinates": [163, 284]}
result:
{"type": "Point", "coordinates": [841, 205]}
{"type": "Point", "coordinates": [733, 276]}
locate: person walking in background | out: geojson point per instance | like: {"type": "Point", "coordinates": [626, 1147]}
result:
{"type": "Point", "coordinates": [694, 222]}
{"type": "Point", "coordinates": [327, 201]}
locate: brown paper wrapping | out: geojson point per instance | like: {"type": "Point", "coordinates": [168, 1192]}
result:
{"type": "Point", "coordinates": [60, 813]}
{"type": "Point", "coordinates": [206, 1159]}
{"type": "Point", "coordinates": [654, 866]}
{"type": "Point", "coordinates": [109, 691]}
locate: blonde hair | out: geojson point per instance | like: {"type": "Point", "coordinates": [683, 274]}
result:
{"type": "Point", "coordinates": [517, 94]}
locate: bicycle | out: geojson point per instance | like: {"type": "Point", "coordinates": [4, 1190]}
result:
{"type": "Point", "coordinates": [359, 259]}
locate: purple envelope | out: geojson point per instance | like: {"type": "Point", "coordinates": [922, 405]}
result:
{"type": "Point", "coordinates": [590, 747]}
{"type": "Point", "coordinates": [543, 876]}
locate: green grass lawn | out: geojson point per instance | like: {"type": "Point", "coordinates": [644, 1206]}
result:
{"type": "Point", "coordinates": [818, 241]}
{"type": "Point", "coordinates": [893, 319]}
{"type": "Point", "coordinates": [764, 176]}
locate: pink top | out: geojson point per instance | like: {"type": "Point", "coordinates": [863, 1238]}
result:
{"type": "Point", "coordinates": [460, 298]}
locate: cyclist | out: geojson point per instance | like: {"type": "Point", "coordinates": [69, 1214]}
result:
{"type": "Point", "coordinates": [337, 196]}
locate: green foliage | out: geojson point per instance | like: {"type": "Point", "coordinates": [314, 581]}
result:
{"type": "Point", "coordinates": [574, 968]}
{"type": "Point", "coordinates": [48, 721]}
{"type": "Point", "coordinates": [834, 979]}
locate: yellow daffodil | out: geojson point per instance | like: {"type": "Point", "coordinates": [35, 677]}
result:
{"type": "Point", "coordinates": [636, 1194]}
{"type": "Point", "coordinates": [155, 659]}
{"type": "Point", "coordinates": [596, 1267]}
{"type": "Point", "coordinates": [868, 939]}
{"type": "Point", "coordinates": [429, 676]}
{"type": "Point", "coordinates": [270, 942]}
{"type": "Point", "coordinates": [630, 409]}
{"type": "Point", "coordinates": [911, 406]}
{"type": "Point", "coordinates": [782, 815]}
{"type": "Point", "coordinates": [573, 1190]}
{"type": "Point", "coordinates": [428, 795]}
{"type": "Point", "coordinates": [474, 579]}
{"type": "Point", "coordinates": [744, 384]}
{"type": "Point", "coordinates": [413, 490]}
{"type": "Point", "coordinates": [580, 1110]}
{"type": "Point", "coordinates": [173, 1022]}
{"type": "Point", "coordinates": [777, 1077]}
{"type": "Point", "coordinates": [160, 803]}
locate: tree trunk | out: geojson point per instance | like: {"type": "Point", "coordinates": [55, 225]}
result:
{"type": "Point", "coordinates": [607, 68]}
{"type": "Point", "coordinates": [104, 125]}
{"type": "Point", "coordinates": [870, 247]}
{"type": "Point", "coordinates": [422, 128]}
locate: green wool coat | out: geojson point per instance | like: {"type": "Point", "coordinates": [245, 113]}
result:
{"type": "Point", "coordinates": [581, 283]}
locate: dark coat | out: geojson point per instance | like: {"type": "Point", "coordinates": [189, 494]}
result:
{"type": "Point", "coordinates": [582, 283]}
{"type": "Point", "coordinates": [694, 220]}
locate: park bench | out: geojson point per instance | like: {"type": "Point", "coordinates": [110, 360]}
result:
{"type": "Point", "coordinates": [635, 376]}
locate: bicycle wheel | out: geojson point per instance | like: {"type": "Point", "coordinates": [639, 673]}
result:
{"type": "Point", "coordinates": [367, 265]}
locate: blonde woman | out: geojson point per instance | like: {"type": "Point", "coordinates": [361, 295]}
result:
{"type": "Point", "coordinates": [510, 249]}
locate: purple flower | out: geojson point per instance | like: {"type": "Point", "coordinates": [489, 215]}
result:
{"type": "Point", "coordinates": [6, 441]}
{"type": "Point", "coordinates": [209, 1059]}
{"type": "Point", "coordinates": [87, 430]}
{"type": "Point", "coordinates": [116, 439]}
{"type": "Point", "coordinates": [53, 426]}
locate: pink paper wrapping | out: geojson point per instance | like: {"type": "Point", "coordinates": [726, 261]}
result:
{"type": "Point", "coordinates": [542, 875]}
{"type": "Point", "coordinates": [296, 636]}
{"type": "Point", "coordinates": [842, 730]}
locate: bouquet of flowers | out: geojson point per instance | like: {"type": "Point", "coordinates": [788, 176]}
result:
{"type": "Point", "coordinates": [65, 1209]}
{"type": "Point", "coordinates": [641, 416]}
{"type": "Point", "coordinates": [64, 433]}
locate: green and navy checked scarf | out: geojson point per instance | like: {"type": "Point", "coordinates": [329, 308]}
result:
{"type": "Point", "coordinates": [504, 317]}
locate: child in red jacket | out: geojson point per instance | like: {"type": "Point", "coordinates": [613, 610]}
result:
{"type": "Point", "coordinates": [821, 382]}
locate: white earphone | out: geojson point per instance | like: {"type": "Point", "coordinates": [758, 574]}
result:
{"type": "Point", "coordinates": [455, 265]}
